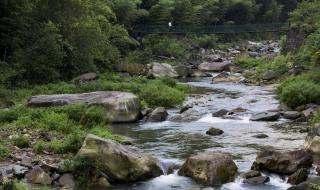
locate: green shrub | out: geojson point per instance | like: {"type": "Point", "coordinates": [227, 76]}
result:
{"type": "Point", "coordinates": [39, 147]}
{"type": "Point", "coordinates": [248, 62]}
{"type": "Point", "coordinates": [94, 116]}
{"type": "Point", "coordinates": [56, 122]}
{"type": "Point", "coordinates": [299, 92]}
{"type": "Point", "coordinates": [315, 119]}
{"type": "Point", "coordinates": [21, 141]}
{"type": "Point", "coordinates": [70, 144]}
{"type": "Point", "coordinates": [104, 132]}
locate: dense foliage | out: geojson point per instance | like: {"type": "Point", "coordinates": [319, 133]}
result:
{"type": "Point", "coordinates": [45, 41]}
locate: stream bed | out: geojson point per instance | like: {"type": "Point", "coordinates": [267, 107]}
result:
{"type": "Point", "coordinates": [173, 142]}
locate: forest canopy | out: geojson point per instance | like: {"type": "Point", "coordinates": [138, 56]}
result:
{"type": "Point", "coordinates": [45, 41]}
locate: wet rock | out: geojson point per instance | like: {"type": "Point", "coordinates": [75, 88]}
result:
{"type": "Point", "coordinates": [209, 168]}
{"type": "Point", "coordinates": [250, 174]}
{"type": "Point", "coordinates": [38, 176]}
{"type": "Point", "coordinates": [187, 116]}
{"type": "Point", "coordinates": [67, 180]}
{"type": "Point", "coordinates": [298, 177]}
{"type": "Point", "coordinates": [118, 162]}
{"type": "Point", "coordinates": [257, 180]}
{"type": "Point", "coordinates": [226, 77]}
{"type": "Point", "coordinates": [146, 112]}
{"type": "Point", "coordinates": [122, 106]}
{"type": "Point", "coordinates": [260, 136]}
{"type": "Point", "coordinates": [158, 115]}
{"type": "Point", "coordinates": [103, 183]}
{"type": "Point", "coordinates": [307, 185]}
{"type": "Point", "coordinates": [185, 108]}
{"type": "Point", "coordinates": [291, 115]}
{"type": "Point", "coordinates": [215, 66]}
{"type": "Point", "coordinates": [238, 110]}
{"type": "Point", "coordinates": [282, 162]}
{"type": "Point", "coordinates": [236, 69]}
{"type": "Point", "coordinates": [220, 113]}
{"type": "Point", "coordinates": [161, 70]}
{"type": "Point", "coordinates": [85, 78]}
{"type": "Point", "coordinates": [265, 116]}
{"type": "Point", "coordinates": [214, 132]}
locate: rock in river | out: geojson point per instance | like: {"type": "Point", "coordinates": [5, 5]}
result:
{"type": "Point", "coordinates": [257, 180]}
{"type": "Point", "coordinates": [118, 162]}
{"type": "Point", "coordinates": [291, 114]}
{"type": "Point", "coordinates": [158, 115]}
{"type": "Point", "coordinates": [265, 116]}
{"type": "Point", "coordinates": [214, 132]}
{"type": "Point", "coordinates": [210, 168]}
{"type": "Point", "coordinates": [122, 106]}
{"type": "Point", "coordinates": [250, 174]}
{"type": "Point", "coordinates": [187, 116]}
{"type": "Point", "coordinates": [307, 185]}
{"type": "Point", "coordinates": [282, 162]}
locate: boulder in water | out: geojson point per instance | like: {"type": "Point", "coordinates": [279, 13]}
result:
{"type": "Point", "coordinates": [122, 106]}
{"type": "Point", "coordinates": [210, 168]}
{"type": "Point", "coordinates": [220, 113]}
{"type": "Point", "coordinates": [260, 136]}
{"type": "Point", "coordinates": [250, 174]}
{"type": "Point", "coordinates": [226, 77]}
{"type": "Point", "coordinates": [214, 132]}
{"type": "Point", "coordinates": [291, 115]}
{"type": "Point", "coordinates": [118, 162]}
{"type": "Point", "coordinates": [257, 180]}
{"type": "Point", "coordinates": [158, 115]}
{"type": "Point", "coordinates": [265, 116]}
{"type": "Point", "coordinates": [186, 116]}
{"type": "Point", "coordinates": [282, 162]}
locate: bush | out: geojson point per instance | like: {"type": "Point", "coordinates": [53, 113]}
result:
{"type": "Point", "coordinates": [70, 144]}
{"type": "Point", "coordinates": [295, 92]}
{"type": "Point", "coordinates": [103, 132]}
{"type": "Point", "coordinates": [94, 116]}
{"type": "Point", "coordinates": [248, 62]}
{"type": "Point", "coordinates": [315, 119]}
{"type": "Point", "coordinates": [22, 141]}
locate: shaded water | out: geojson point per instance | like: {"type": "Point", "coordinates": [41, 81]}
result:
{"type": "Point", "coordinates": [173, 142]}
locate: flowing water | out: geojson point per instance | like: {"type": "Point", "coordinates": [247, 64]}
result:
{"type": "Point", "coordinates": [173, 142]}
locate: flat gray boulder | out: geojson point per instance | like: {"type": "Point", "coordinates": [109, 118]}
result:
{"type": "Point", "coordinates": [120, 163]}
{"type": "Point", "coordinates": [122, 106]}
{"type": "Point", "coordinates": [265, 116]}
{"type": "Point", "coordinates": [157, 70]}
{"type": "Point", "coordinates": [214, 66]}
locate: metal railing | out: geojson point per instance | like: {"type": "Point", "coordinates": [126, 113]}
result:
{"type": "Point", "coordinates": [211, 29]}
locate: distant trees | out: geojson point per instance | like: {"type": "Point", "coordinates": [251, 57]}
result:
{"type": "Point", "coordinates": [44, 40]}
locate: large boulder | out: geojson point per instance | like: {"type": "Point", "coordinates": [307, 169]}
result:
{"type": "Point", "coordinates": [214, 132]}
{"type": "Point", "coordinates": [210, 168]}
{"type": "Point", "coordinates": [122, 106]}
{"type": "Point", "coordinates": [282, 162]}
{"type": "Point", "coordinates": [291, 115]}
{"type": "Point", "coordinates": [182, 70]}
{"type": "Point", "coordinates": [215, 66]}
{"type": "Point", "coordinates": [312, 142]}
{"type": "Point", "coordinates": [158, 115]}
{"type": "Point", "coordinates": [265, 116]}
{"type": "Point", "coordinates": [119, 163]}
{"type": "Point", "coordinates": [226, 77]}
{"type": "Point", "coordinates": [257, 180]}
{"type": "Point", "coordinates": [161, 70]}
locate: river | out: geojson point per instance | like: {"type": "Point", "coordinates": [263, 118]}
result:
{"type": "Point", "coordinates": [173, 142]}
